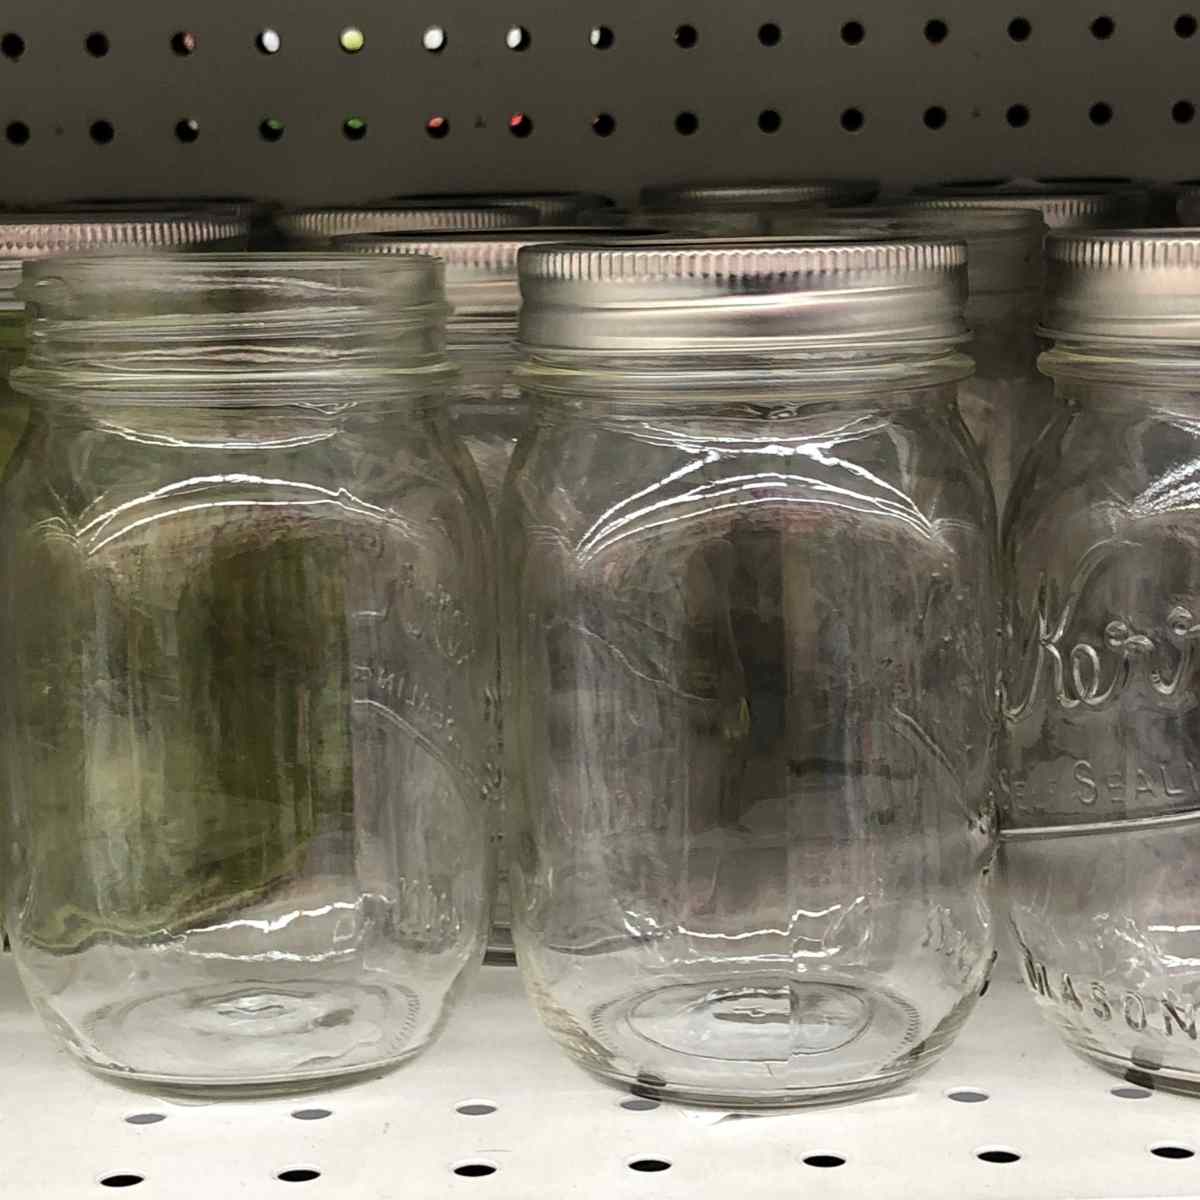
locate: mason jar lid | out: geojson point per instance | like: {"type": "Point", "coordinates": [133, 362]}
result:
{"type": "Point", "coordinates": [804, 193]}
{"type": "Point", "coordinates": [549, 208]}
{"type": "Point", "coordinates": [665, 296]}
{"type": "Point", "coordinates": [1123, 287]}
{"type": "Point", "coordinates": [321, 224]}
{"type": "Point", "coordinates": [1078, 204]}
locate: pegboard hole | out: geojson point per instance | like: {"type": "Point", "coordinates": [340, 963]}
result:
{"type": "Point", "coordinates": [686, 36]}
{"type": "Point", "coordinates": [434, 39]}
{"type": "Point", "coordinates": [17, 132]}
{"type": "Point", "coordinates": [268, 41]}
{"type": "Point", "coordinates": [1017, 116]}
{"type": "Point", "coordinates": [145, 1118]}
{"type": "Point", "coordinates": [936, 31]}
{"type": "Point", "coordinates": [187, 130]}
{"type": "Point", "coordinates": [123, 1179]}
{"type": "Point", "coordinates": [1132, 1093]}
{"type": "Point", "coordinates": [934, 117]}
{"type": "Point", "coordinates": [298, 1175]}
{"type": "Point", "coordinates": [12, 45]}
{"type": "Point", "coordinates": [355, 128]}
{"type": "Point", "coordinates": [640, 1104]}
{"type": "Point", "coordinates": [270, 129]}
{"type": "Point", "coordinates": [770, 34]}
{"type": "Point", "coordinates": [649, 1165]}
{"type": "Point", "coordinates": [477, 1169]}
{"type": "Point", "coordinates": [966, 1095]}
{"type": "Point", "coordinates": [97, 44]}
{"type": "Point", "coordinates": [517, 37]}
{"type": "Point", "coordinates": [770, 121]}
{"type": "Point", "coordinates": [102, 132]}
{"type": "Point", "coordinates": [1103, 28]}
{"type": "Point", "coordinates": [438, 127]}
{"type": "Point", "coordinates": [475, 1108]}
{"type": "Point", "coordinates": [1019, 29]}
{"type": "Point", "coordinates": [601, 37]}
{"type": "Point", "coordinates": [1100, 113]}
{"type": "Point", "coordinates": [997, 1154]}
{"type": "Point", "coordinates": [352, 39]}
{"type": "Point", "coordinates": [1185, 25]}
{"type": "Point", "coordinates": [520, 125]}
{"type": "Point", "coordinates": [853, 120]}
{"type": "Point", "coordinates": [183, 43]}
{"type": "Point", "coordinates": [824, 1160]}
{"type": "Point", "coordinates": [853, 33]}
{"type": "Point", "coordinates": [604, 124]}
{"type": "Point", "coordinates": [686, 123]}
{"type": "Point", "coordinates": [1172, 1150]}
{"type": "Point", "coordinates": [311, 1114]}
{"type": "Point", "coordinates": [1182, 111]}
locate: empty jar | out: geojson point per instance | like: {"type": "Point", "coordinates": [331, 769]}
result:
{"type": "Point", "coordinates": [1101, 791]}
{"type": "Point", "coordinates": [314, 228]}
{"type": "Point", "coordinates": [246, 647]}
{"type": "Point", "coordinates": [749, 633]}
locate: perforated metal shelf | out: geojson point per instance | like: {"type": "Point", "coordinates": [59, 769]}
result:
{"type": "Point", "coordinates": [497, 1102]}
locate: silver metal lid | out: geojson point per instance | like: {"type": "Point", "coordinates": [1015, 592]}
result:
{"type": "Point", "coordinates": [801, 194]}
{"type": "Point", "coordinates": [744, 294]}
{"type": "Point", "coordinates": [1128, 286]}
{"type": "Point", "coordinates": [1083, 204]}
{"type": "Point", "coordinates": [321, 224]}
{"type": "Point", "coordinates": [549, 208]}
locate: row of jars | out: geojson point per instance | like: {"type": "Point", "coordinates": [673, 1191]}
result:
{"type": "Point", "coordinates": [757, 645]}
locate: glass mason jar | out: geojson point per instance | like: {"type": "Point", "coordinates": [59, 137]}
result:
{"type": "Point", "coordinates": [1101, 788]}
{"type": "Point", "coordinates": [315, 228]}
{"type": "Point", "coordinates": [749, 667]}
{"type": "Point", "coordinates": [1065, 202]}
{"type": "Point", "coordinates": [25, 237]}
{"type": "Point", "coordinates": [247, 650]}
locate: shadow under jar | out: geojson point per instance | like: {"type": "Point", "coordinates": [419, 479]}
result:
{"type": "Point", "coordinates": [749, 660]}
{"type": "Point", "coordinates": [246, 645]}
{"type": "Point", "coordinates": [1101, 788]}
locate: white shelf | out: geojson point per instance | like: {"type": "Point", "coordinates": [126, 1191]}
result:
{"type": "Point", "coordinates": [557, 1132]}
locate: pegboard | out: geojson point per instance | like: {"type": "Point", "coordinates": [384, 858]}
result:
{"type": "Point", "coordinates": [309, 101]}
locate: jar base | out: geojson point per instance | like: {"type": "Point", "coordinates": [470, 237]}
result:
{"type": "Point", "coordinates": [1140, 1073]}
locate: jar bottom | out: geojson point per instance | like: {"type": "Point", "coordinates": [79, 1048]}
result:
{"type": "Point", "coordinates": [1140, 1072]}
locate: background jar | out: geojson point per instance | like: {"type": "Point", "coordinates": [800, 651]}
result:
{"type": "Point", "coordinates": [315, 228]}
{"type": "Point", "coordinates": [749, 635]}
{"type": "Point", "coordinates": [246, 649]}
{"type": "Point", "coordinates": [1101, 787]}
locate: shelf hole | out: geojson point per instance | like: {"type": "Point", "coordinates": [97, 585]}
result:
{"type": "Point", "coordinates": [122, 1180]}
{"type": "Point", "coordinates": [475, 1108]}
{"type": "Point", "coordinates": [1132, 1093]}
{"type": "Point", "coordinates": [520, 125]}
{"type": "Point", "coordinates": [649, 1164]}
{"type": "Point", "coordinates": [601, 37]}
{"type": "Point", "coordinates": [434, 39]}
{"type": "Point", "coordinates": [311, 1114]}
{"type": "Point", "coordinates": [352, 39]}
{"type": "Point", "coordinates": [1019, 29]}
{"type": "Point", "coordinates": [769, 120]}
{"type": "Point", "coordinates": [12, 45]}
{"type": "Point", "coordinates": [824, 1160]}
{"type": "Point", "coordinates": [1103, 28]}
{"type": "Point", "coordinates": [1182, 111]}
{"type": "Point", "coordinates": [475, 1170]}
{"type": "Point", "coordinates": [97, 44]}
{"type": "Point", "coordinates": [604, 124]}
{"type": "Point", "coordinates": [183, 43]}
{"type": "Point", "coordinates": [145, 1118]}
{"type": "Point", "coordinates": [518, 38]}
{"type": "Point", "coordinates": [270, 129]}
{"type": "Point", "coordinates": [438, 127]}
{"type": "Point", "coordinates": [853, 120]}
{"type": "Point", "coordinates": [355, 128]}
{"type": "Point", "coordinates": [997, 1154]}
{"type": "Point", "coordinates": [187, 130]}
{"type": "Point", "coordinates": [1100, 113]}
{"type": "Point", "coordinates": [853, 33]}
{"type": "Point", "coordinates": [268, 41]}
{"type": "Point", "coordinates": [102, 132]}
{"type": "Point", "coordinates": [769, 34]}
{"type": "Point", "coordinates": [687, 123]}
{"type": "Point", "coordinates": [17, 132]}
{"type": "Point", "coordinates": [298, 1175]}
{"type": "Point", "coordinates": [1185, 25]}
{"type": "Point", "coordinates": [639, 1104]}
{"type": "Point", "coordinates": [1017, 116]}
{"type": "Point", "coordinates": [967, 1095]}
{"type": "Point", "coordinates": [1172, 1150]}
{"type": "Point", "coordinates": [936, 31]}
{"type": "Point", "coordinates": [686, 36]}
{"type": "Point", "coordinates": [934, 117]}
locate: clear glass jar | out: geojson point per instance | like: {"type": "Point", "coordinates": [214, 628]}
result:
{"type": "Point", "coordinates": [247, 657]}
{"type": "Point", "coordinates": [1100, 791]}
{"type": "Point", "coordinates": [25, 237]}
{"type": "Point", "coordinates": [749, 665]}
{"type": "Point", "coordinates": [1065, 202]}
{"type": "Point", "coordinates": [315, 228]}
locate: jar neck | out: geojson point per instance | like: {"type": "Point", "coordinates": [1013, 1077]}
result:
{"type": "Point", "coordinates": [1099, 368]}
